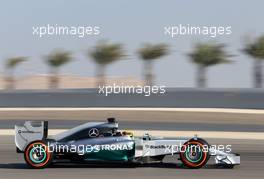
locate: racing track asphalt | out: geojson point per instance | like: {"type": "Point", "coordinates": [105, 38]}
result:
{"type": "Point", "coordinates": [174, 97]}
{"type": "Point", "coordinates": [12, 165]}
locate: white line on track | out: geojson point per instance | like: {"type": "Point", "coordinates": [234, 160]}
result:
{"type": "Point", "coordinates": [205, 110]}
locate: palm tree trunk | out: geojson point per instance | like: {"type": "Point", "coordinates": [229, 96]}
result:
{"type": "Point", "coordinates": [10, 81]}
{"type": "Point", "coordinates": [100, 75]}
{"type": "Point", "coordinates": [258, 73]}
{"type": "Point", "coordinates": [54, 80]}
{"type": "Point", "coordinates": [201, 76]}
{"type": "Point", "coordinates": [149, 77]}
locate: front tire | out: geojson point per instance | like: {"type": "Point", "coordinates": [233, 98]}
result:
{"type": "Point", "coordinates": [195, 153]}
{"type": "Point", "coordinates": [37, 155]}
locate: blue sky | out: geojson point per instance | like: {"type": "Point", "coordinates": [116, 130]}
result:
{"type": "Point", "coordinates": [132, 23]}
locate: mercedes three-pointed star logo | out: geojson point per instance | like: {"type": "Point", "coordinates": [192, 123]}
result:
{"type": "Point", "coordinates": [93, 132]}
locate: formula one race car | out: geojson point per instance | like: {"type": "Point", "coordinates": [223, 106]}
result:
{"type": "Point", "coordinates": [103, 142]}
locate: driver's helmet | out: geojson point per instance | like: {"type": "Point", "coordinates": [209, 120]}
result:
{"type": "Point", "coordinates": [128, 133]}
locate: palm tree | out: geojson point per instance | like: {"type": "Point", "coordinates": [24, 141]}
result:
{"type": "Point", "coordinates": [11, 64]}
{"type": "Point", "coordinates": [103, 54]}
{"type": "Point", "coordinates": [206, 55]}
{"type": "Point", "coordinates": [256, 50]}
{"type": "Point", "coordinates": [148, 54]}
{"type": "Point", "coordinates": [55, 60]}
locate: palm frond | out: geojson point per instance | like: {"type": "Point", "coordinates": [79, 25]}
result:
{"type": "Point", "coordinates": [14, 61]}
{"type": "Point", "coordinates": [151, 52]}
{"type": "Point", "coordinates": [255, 48]}
{"type": "Point", "coordinates": [208, 54]}
{"type": "Point", "coordinates": [105, 53]}
{"type": "Point", "coordinates": [58, 58]}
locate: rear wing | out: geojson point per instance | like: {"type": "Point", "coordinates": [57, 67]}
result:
{"type": "Point", "coordinates": [30, 131]}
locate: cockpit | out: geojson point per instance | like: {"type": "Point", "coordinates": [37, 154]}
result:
{"type": "Point", "coordinates": [92, 130]}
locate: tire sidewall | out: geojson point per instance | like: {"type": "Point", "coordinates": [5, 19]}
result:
{"type": "Point", "coordinates": [206, 155]}
{"type": "Point", "coordinates": [30, 163]}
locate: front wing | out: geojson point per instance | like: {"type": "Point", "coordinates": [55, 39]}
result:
{"type": "Point", "coordinates": [161, 147]}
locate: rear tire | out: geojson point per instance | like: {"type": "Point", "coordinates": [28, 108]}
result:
{"type": "Point", "coordinates": [37, 155]}
{"type": "Point", "coordinates": [195, 153]}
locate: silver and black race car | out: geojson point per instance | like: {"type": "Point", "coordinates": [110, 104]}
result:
{"type": "Point", "coordinates": [103, 142]}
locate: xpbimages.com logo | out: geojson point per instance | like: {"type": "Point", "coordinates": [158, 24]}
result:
{"type": "Point", "coordinates": [187, 29]}
{"type": "Point", "coordinates": [127, 89]}
{"type": "Point", "coordinates": [65, 30]}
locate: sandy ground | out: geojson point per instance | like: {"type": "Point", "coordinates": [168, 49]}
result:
{"type": "Point", "coordinates": [67, 81]}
